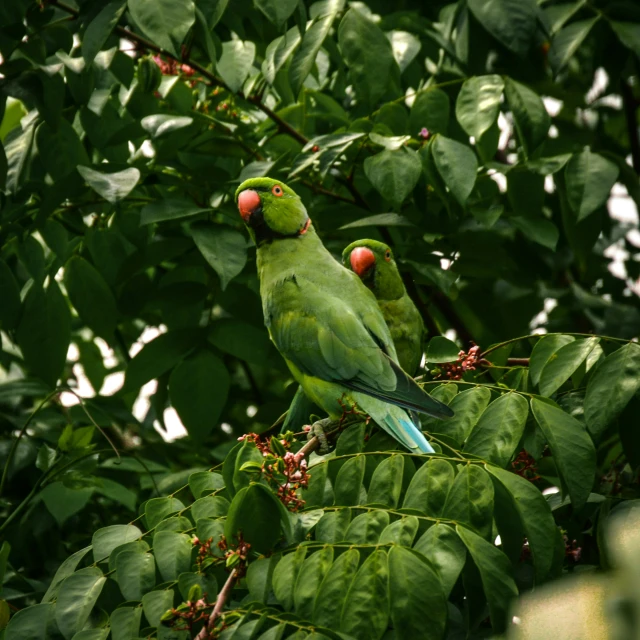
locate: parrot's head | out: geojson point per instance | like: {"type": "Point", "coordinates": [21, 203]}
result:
{"type": "Point", "coordinates": [271, 210]}
{"type": "Point", "coordinates": [374, 264]}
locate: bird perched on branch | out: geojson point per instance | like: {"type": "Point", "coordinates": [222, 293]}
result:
{"type": "Point", "coordinates": [374, 263]}
{"type": "Point", "coordinates": [325, 322]}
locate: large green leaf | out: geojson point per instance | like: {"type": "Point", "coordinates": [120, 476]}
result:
{"type": "Point", "coordinates": [76, 598]}
{"type": "Point", "coordinates": [441, 349]}
{"type": "Point", "coordinates": [418, 603]}
{"type": "Point", "coordinates": [365, 613]}
{"type": "Point", "coordinates": [44, 331]}
{"type": "Point", "coordinates": [589, 178]}
{"type": "Point", "coordinates": [470, 499]}
{"type": "Point", "coordinates": [278, 11]}
{"type": "Point", "coordinates": [172, 551]}
{"type": "Point", "coordinates": [467, 407]}
{"type": "Point", "coordinates": [135, 574]}
{"type": "Point", "coordinates": [157, 509]}
{"type": "Point", "coordinates": [64, 502]}
{"type": "Point", "coordinates": [278, 52]}
{"type": "Point", "coordinates": [60, 149]}
{"type": "Point", "coordinates": [386, 482]}
{"type": "Point", "coordinates": [429, 487]}
{"type": "Point", "coordinates": [225, 249]}
{"type": "Point", "coordinates": [402, 532]}
{"type": "Point", "coordinates": [312, 573]}
{"type": "Point", "coordinates": [367, 527]}
{"type": "Point", "coordinates": [64, 571]}
{"type": "Point", "coordinates": [198, 389]}
{"type": "Point", "coordinates": [394, 174]}
{"type": "Point", "coordinates": [478, 104]}
{"type": "Point", "coordinates": [236, 62]}
{"type": "Point", "coordinates": [511, 22]}
{"type": "Point", "coordinates": [628, 33]}
{"type": "Point", "coordinates": [497, 433]}
{"type": "Point", "coordinates": [529, 113]}
{"type": "Point", "coordinates": [169, 209]}
{"type": "Point", "coordinates": [113, 187]}
{"type": "Point", "coordinates": [348, 483]}
{"type": "Point", "coordinates": [255, 513]}
{"type": "Point", "coordinates": [105, 540]}
{"type": "Point", "coordinates": [125, 623]}
{"type": "Point", "coordinates": [563, 363]}
{"type": "Point", "coordinates": [368, 54]}
{"type": "Point", "coordinates": [165, 22]}
{"type": "Point", "coordinates": [572, 449]}
{"type": "Point", "coordinates": [535, 514]}
{"type": "Point", "coordinates": [615, 381]}
{"type": "Point", "coordinates": [31, 623]}
{"type": "Point", "coordinates": [155, 603]}
{"type": "Point", "coordinates": [333, 590]}
{"type": "Point", "coordinates": [565, 43]}
{"type": "Point", "coordinates": [457, 164]}
{"type": "Point", "coordinates": [100, 28]}
{"type": "Point", "coordinates": [91, 296]}
{"type": "Point", "coordinates": [285, 575]}
{"type": "Point", "coordinates": [495, 572]}
{"type": "Point", "coordinates": [542, 351]}
{"type": "Point", "coordinates": [430, 110]}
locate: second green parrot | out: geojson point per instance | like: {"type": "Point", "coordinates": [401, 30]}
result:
{"type": "Point", "coordinates": [325, 322]}
{"type": "Point", "coordinates": [373, 262]}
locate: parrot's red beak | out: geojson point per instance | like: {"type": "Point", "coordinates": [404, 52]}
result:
{"type": "Point", "coordinates": [362, 259]}
{"type": "Point", "coordinates": [248, 202]}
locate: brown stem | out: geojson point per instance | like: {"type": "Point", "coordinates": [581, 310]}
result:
{"type": "Point", "coordinates": [309, 447]}
{"type": "Point", "coordinates": [517, 362]}
{"type": "Point", "coordinates": [630, 107]}
{"type": "Point", "coordinates": [217, 610]}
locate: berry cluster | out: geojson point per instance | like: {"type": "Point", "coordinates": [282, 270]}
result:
{"type": "Point", "coordinates": [524, 465]}
{"type": "Point", "coordinates": [466, 361]}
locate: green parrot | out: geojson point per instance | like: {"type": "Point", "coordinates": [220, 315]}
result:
{"type": "Point", "coordinates": [325, 322]}
{"type": "Point", "coordinates": [373, 262]}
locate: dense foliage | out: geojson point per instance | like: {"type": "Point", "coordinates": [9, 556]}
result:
{"type": "Point", "coordinates": [126, 127]}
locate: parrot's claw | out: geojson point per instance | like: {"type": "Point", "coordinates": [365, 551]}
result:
{"type": "Point", "coordinates": [319, 429]}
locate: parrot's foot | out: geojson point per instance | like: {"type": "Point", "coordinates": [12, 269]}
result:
{"type": "Point", "coordinates": [319, 430]}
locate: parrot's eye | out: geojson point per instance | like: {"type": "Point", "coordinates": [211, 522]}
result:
{"type": "Point", "coordinates": [277, 190]}
{"type": "Point", "coordinates": [387, 255]}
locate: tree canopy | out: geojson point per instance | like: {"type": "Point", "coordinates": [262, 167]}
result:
{"type": "Point", "coordinates": [490, 143]}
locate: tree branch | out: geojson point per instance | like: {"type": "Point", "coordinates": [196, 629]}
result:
{"type": "Point", "coordinates": [217, 610]}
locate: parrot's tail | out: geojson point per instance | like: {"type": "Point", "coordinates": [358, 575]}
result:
{"type": "Point", "coordinates": [399, 424]}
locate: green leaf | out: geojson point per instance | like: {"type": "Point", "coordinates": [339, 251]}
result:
{"type": "Point", "coordinates": [172, 551]}
{"type": "Point", "coordinates": [386, 482]}
{"type": "Point", "coordinates": [470, 499]}
{"type": "Point", "coordinates": [118, 493]}
{"type": "Point", "coordinates": [285, 575]}
{"type": "Point", "coordinates": [478, 103]}
{"type": "Point", "coordinates": [457, 164]}
{"type": "Point", "coordinates": [100, 29]}
{"type": "Point", "coordinates": [429, 487]}
{"type": "Point", "coordinates": [394, 174]}
{"type": "Point", "coordinates": [113, 187]}
{"type": "Point", "coordinates": [210, 507]}
{"type": "Point", "coordinates": [157, 509]}
{"type": "Point", "coordinates": [76, 597]}
{"type": "Point", "coordinates": [63, 502]}
{"type": "Point", "coordinates": [348, 483]}
{"type": "Point", "coordinates": [511, 22]}
{"type": "Point", "coordinates": [495, 572]}
{"type": "Point", "coordinates": [155, 603]}
{"type": "Point", "coordinates": [313, 572]}
{"type": "Point", "coordinates": [225, 249]}
{"type": "Point", "coordinates": [213, 10]}
{"type": "Point", "coordinates": [278, 11]}
{"type": "Point", "coordinates": [169, 209]}
{"type": "Point", "coordinates": [207, 584]}
{"type": "Point", "coordinates": [589, 178]}
{"type": "Point", "coordinates": [538, 229]}
{"type": "Point", "coordinates": [278, 52]}
{"type": "Point", "coordinates": [198, 389]}
{"type": "Point", "coordinates": [417, 600]}
{"type": "Point", "coordinates": [255, 512]}
{"type": "Point", "coordinates": [202, 481]}
{"type": "Point", "coordinates": [160, 124]}
{"type": "Point", "coordinates": [44, 332]}
{"type": "Point", "coordinates": [401, 532]}
{"type": "Point", "coordinates": [165, 22]}
{"type": "Point", "coordinates": [365, 613]}
{"type": "Point", "coordinates": [125, 623]}
{"type": "Point", "coordinates": [158, 356]}
{"type": "Point", "coordinates": [236, 63]}
{"type": "Point", "coordinates": [566, 42]}
{"type": "Point", "coordinates": [105, 540]}
{"type": "Point", "coordinates": [612, 385]}
{"type": "Point", "coordinates": [240, 339]}
{"type": "Point", "coordinates": [379, 220]}
{"type": "Point", "coordinates": [446, 553]}
{"type": "Point", "coordinates": [10, 296]}
{"type": "Point", "coordinates": [60, 150]}
{"type": "Point", "coordinates": [535, 514]}
{"type": "Point", "coordinates": [628, 33]}
{"type": "Point", "coordinates": [572, 449]}
{"type": "Point", "coordinates": [441, 349]}
{"type": "Point", "coordinates": [467, 406]}
{"type": "Point", "coordinates": [430, 110]}
{"type": "Point", "coordinates": [497, 433]}
{"type": "Point", "coordinates": [135, 574]}
{"type": "Point", "coordinates": [542, 351]}
{"type": "Point", "coordinates": [64, 571]}
{"type": "Point", "coordinates": [91, 296]}
{"type": "Point", "coordinates": [18, 148]}
{"type": "Point", "coordinates": [138, 546]}
{"type": "Point", "coordinates": [393, 143]}
{"type": "Point", "coordinates": [529, 113]}
{"type": "Point", "coordinates": [563, 363]}
{"type": "Point", "coordinates": [367, 527]}
{"type": "Point", "coordinates": [312, 40]}
{"type": "Point", "coordinates": [31, 623]}
{"type": "Point", "coordinates": [333, 590]}
{"type": "Point", "coordinates": [333, 526]}
{"type": "Point", "coordinates": [368, 54]}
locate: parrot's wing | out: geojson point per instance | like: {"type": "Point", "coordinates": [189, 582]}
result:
{"type": "Point", "coordinates": [330, 338]}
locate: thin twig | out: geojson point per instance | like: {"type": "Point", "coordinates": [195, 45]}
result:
{"type": "Point", "coordinates": [217, 610]}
